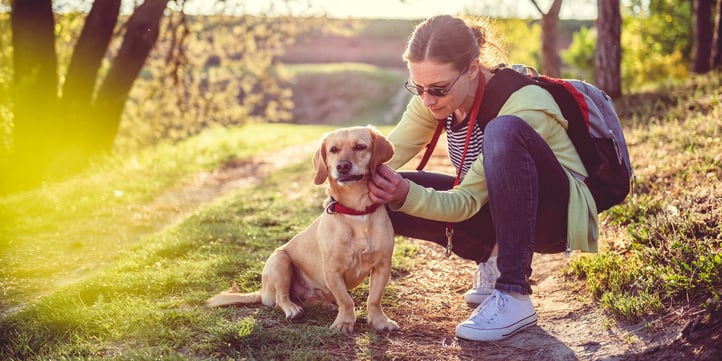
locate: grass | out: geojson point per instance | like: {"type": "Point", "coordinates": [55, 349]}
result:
{"type": "Point", "coordinates": [65, 231]}
{"type": "Point", "coordinates": [147, 303]}
{"type": "Point", "coordinates": [91, 269]}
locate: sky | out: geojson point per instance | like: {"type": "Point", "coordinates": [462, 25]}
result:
{"type": "Point", "coordinates": [417, 9]}
{"type": "Point", "coordinates": [384, 9]}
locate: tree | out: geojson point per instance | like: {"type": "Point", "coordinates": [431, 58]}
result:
{"type": "Point", "coordinates": [702, 36]}
{"type": "Point", "coordinates": [55, 134]}
{"type": "Point", "coordinates": [716, 56]}
{"type": "Point", "coordinates": [140, 37]}
{"type": "Point", "coordinates": [218, 70]}
{"type": "Point", "coordinates": [608, 54]}
{"type": "Point", "coordinates": [551, 61]}
{"type": "Point", "coordinates": [35, 82]}
{"type": "Point", "coordinates": [79, 86]}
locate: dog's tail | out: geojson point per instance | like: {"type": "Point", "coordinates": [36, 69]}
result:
{"type": "Point", "coordinates": [233, 297]}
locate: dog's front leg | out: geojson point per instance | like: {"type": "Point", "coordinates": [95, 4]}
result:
{"type": "Point", "coordinates": [346, 317]}
{"type": "Point", "coordinates": [380, 276]}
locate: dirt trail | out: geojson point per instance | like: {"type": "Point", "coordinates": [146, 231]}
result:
{"type": "Point", "coordinates": [569, 326]}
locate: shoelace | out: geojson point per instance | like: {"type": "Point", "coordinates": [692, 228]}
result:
{"type": "Point", "coordinates": [484, 276]}
{"type": "Point", "coordinates": [487, 313]}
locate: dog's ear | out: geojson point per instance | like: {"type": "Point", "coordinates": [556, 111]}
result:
{"type": "Point", "coordinates": [383, 150]}
{"type": "Point", "coordinates": [319, 163]}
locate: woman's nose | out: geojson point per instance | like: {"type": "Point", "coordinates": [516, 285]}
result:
{"type": "Point", "coordinates": [428, 99]}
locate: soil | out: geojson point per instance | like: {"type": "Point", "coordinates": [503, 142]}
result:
{"type": "Point", "coordinates": [570, 326]}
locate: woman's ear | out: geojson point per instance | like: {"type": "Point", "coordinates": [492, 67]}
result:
{"type": "Point", "coordinates": [474, 69]}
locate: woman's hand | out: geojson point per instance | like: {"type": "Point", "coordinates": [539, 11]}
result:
{"type": "Point", "coordinates": [387, 186]}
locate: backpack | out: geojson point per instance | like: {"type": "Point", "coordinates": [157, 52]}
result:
{"type": "Point", "coordinates": [594, 128]}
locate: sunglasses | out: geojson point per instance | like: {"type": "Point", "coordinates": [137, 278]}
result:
{"type": "Point", "coordinates": [435, 91]}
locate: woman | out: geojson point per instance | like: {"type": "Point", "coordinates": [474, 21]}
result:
{"type": "Point", "coordinates": [517, 186]}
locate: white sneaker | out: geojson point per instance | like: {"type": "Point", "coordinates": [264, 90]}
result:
{"type": "Point", "coordinates": [498, 317]}
{"type": "Point", "coordinates": [483, 282]}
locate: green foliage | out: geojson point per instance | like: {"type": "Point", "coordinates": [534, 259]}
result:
{"type": "Point", "coordinates": [647, 58]}
{"type": "Point", "coordinates": [521, 40]}
{"type": "Point", "coordinates": [221, 73]}
{"type": "Point", "coordinates": [667, 25]}
{"type": "Point", "coordinates": [656, 45]}
{"type": "Point", "coordinates": [580, 54]}
{"type": "Point", "coordinates": [203, 72]}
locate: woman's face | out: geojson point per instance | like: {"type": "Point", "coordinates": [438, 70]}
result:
{"type": "Point", "coordinates": [427, 74]}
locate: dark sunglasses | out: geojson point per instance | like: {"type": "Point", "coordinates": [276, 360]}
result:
{"type": "Point", "coordinates": [435, 91]}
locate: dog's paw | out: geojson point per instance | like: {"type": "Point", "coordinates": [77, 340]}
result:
{"type": "Point", "coordinates": [384, 323]}
{"type": "Point", "coordinates": [291, 310]}
{"type": "Point", "coordinates": [343, 325]}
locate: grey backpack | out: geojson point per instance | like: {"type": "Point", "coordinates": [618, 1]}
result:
{"type": "Point", "coordinates": [594, 127]}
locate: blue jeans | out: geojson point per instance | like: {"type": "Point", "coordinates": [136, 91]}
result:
{"type": "Point", "coordinates": [527, 208]}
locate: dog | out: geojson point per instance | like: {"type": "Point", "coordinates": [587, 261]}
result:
{"type": "Point", "coordinates": [351, 240]}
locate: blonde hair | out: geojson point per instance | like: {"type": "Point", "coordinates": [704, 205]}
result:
{"type": "Point", "coordinates": [448, 39]}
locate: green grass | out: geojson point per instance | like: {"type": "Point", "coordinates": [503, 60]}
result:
{"type": "Point", "coordinates": [145, 302]}
{"type": "Point", "coordinates": [65, 231]}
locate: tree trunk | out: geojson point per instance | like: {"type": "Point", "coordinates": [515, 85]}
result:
{"type": "Point", "coordinates": [79, 85]}
{"type": "Point", "coordinates": [716, 58]}
{"type": "Point", "coordinates": [608, 55]}
{"type": "Point", "coordinates": [551, 61]}
{"type": "Point", "coordinates": [89, 52]}
{"type": "Point", "coordinates": [140, 36]}
{"type": "Point", "coordinates": [702, 36]}
{"type": "Point", "coordinates": [35, 81]}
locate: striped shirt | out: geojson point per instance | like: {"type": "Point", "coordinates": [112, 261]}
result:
{"type": "Point", "coordinates": [456, 135]}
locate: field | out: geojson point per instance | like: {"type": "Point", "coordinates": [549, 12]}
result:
{"type": "Point", "coordinates": [116, 263]}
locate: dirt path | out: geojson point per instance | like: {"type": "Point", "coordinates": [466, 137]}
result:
{"type": "Point", "coordinates": [569, 326]}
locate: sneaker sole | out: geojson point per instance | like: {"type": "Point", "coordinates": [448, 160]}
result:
{"type": "Point", "coordinates": [473, 334]}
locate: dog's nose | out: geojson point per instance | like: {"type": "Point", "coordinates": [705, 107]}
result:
{"type": "Point", "coordinates": [343, 167]}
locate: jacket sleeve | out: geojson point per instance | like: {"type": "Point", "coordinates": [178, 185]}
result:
{"type": "Point", "coordinates": [533, 105]}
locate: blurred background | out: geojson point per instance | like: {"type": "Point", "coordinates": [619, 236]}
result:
{"type": "Point", "coordinates": [82, 79]}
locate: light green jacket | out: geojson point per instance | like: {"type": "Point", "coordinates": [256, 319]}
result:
{"type": "Point", "coordinates": [536, 107]}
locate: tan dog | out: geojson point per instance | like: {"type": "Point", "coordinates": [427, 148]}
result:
{"type": "Point", "coordinates": [351, 240]}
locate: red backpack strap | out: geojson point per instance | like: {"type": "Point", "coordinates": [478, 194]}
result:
{"type": "Point", "coordinates": [432, 144]}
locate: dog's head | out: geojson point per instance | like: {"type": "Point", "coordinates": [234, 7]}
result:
{"type": "Point", "coordinates": [349, 155]}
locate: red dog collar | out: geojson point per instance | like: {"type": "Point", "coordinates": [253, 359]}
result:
{"type": "Point", "coordinates": [335, 207]}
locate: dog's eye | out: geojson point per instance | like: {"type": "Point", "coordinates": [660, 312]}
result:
{"type": "Point", "coordinates": [333, 149]}
{"type": "Point", "coordinates": [360, 147]}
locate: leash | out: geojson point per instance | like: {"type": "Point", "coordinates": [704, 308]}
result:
{"type": "Point", "coordinates": [435, 138]}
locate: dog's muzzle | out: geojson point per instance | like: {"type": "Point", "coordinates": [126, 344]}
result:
{"type": "Point", "coordinates": [349, 178]}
